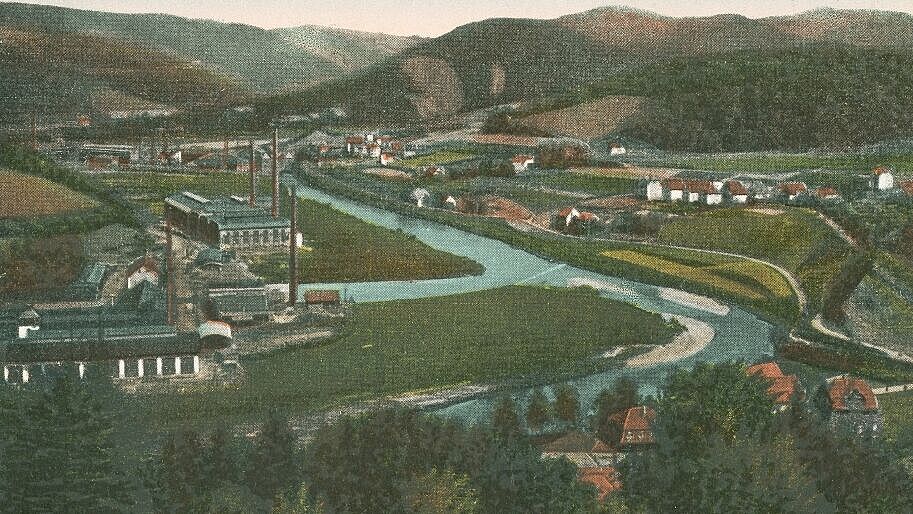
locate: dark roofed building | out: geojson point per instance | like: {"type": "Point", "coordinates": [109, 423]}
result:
{"type": "Point", "coordinates": [636, 426]}
{"type": "Point", "coordinates": [225, 222]}
{"type": "Point", "coordinates": [240, 306]}
{"type": "Point", "coordinates": [89, 283]}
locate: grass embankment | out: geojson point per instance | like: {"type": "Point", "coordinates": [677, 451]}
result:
{"type": "Point", "coordinates": [440, 158]}
{"type": "Point", "coordinates": [796, 240]}
{"type": "Point", "coordinates": [150, 189]}
{"type": "Point", "coordinates": [897, 409]}
{"type": "Point", "coordinates": [347, 249]}
{"type": "Point", "coordinates": [591, 255]}
{"type": "Point", "coordinates": [528, 334]}
{"type": "Point", "coordinates": [780, 162]}
{"type": "Point", "coordinates": [28, 195]}
{"type": "Point", "coordinates": [592, 185]}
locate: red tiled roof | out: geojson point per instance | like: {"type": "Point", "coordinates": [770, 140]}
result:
{"type": "Point", "coordinates": [793, 188]}
{"type": "Point", "coordinates": [316, 297]}
{"type": "Point", "coordinates": [588, 216]}
{"type": "Point", "coordinates": [782, 387]}
{"type": "Point", "coordinates": [636, 425]}
{"type": "Point", "coordinates": [147, 262]}
{"type": "Point", "coordinates": [842, 387]}
{"type": "Point", "coordinates": [906, 186]}
{"type": "Point", "coordinates": [564, 213]}
{"type": "Point", "coordinates": [825, 192]}
{"type": "Point", "coordinates": [674, 184]}
{"type": "Point", "coordinates": [606, 480]}
{"type": "Point", "coordinates": [879, 170]}
{"type": "Point", "coordinates": [355, 140]}
{"type": "Point", "coordinates": [701, 186]}
{"type": "Point", "coordinates": [520, 159]}
{"type": "Point", "coordinates": [736, 188]}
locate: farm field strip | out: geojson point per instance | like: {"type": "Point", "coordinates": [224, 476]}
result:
{"type": "Point", "coordinates": [22, 195]}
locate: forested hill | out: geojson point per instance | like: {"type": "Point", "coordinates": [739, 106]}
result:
{"type": "Point", "coordinates": [262, 60]}
{"type": "Point", "coordinates": [818, 96]}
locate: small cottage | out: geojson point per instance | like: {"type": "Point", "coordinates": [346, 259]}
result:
{"type": "Point", "coordinates": [783, 388]}
{"type": "Point", "coordinates": [636, 426]}
{"type": "Point", "coordinates": [736, 192]}
{"type": "Point", "coordinates": [793, 190]}
{"type": "Point", "coordinates": [882, 178]}
{"type": "Point", "coordinates": [851, 407]}
{"type": "Point", "coordinates": [523, 162]}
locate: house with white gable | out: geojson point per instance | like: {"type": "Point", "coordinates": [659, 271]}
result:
{"type": "Point", "coordinates": [523, 162]}
{"type": "Point", "coordinates": [144, 269]}
{"type": "Point", "coordinates": [675, 189]}
{"type": "Point", "coordinates": [387, 159]}
{"type": "Point", "coordinates": [882, 178]}
{"type": "Point", "coordinates": [793, 190]}
{"type": "Point", "coordinates": [655, 191]}
{"type": "Point", "coordinates": [419, 196]}
{"type": "Point", "coordinates": [617, 148]}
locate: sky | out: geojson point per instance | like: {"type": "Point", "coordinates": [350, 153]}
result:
{"type": "Point", "coordinates": [436, 17]}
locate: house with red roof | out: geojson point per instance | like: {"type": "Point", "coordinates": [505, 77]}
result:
{"type": "Point", "coordinates": [522, 162]}
{"type": "Point", "coordinates": [636, 426]}
{"type": "Point", "coordinates": [793, 190]}
{"type": "Point", "coordinates": [675, 189]}
{"type": "Point", "coordinates": [144, 269]}
{"type": "Point", "coordinates": [827, 193]}
{"type": "Point", "coordinates": [783, 388]}
{"type": "Point", "coordinates": [605, 479]}
{"type": "Point", "coordinates": [386, 159]}
{"type": "Point", "coordinates": [736, 192]}
{"type": "Point", "coordinates": [907, 187]}
{"type": "Point", "coordinates": [882, 178]}
{"type": "Point", "coordinates": [851, 407]}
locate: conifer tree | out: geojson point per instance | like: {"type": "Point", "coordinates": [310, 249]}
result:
{"type": "Point", "coordinates": [274, 462]}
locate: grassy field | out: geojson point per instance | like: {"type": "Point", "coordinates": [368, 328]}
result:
{"type": "Point", "coordinates": [777, 163]}
{"type": "Point", "coordinates": [590, 120]}
{"type": "Point", "coordinates": [28, 195]}
{"type": "Point", "coordinates": [897, 409]}
{"type": "Point", "coordinates": [150, 189]}
{"type": "Point", "coordinates": [796, 239]}
{"type": "Point", "coordinates": [441, 158]}
{"type": "Point", "coordinates": [736, 278]}
{"type": "Point", "coordinates": [515, 333]}
{"type": "Point", "coordinates": [347, 249]}
{"type": "Point", "coordinates": [581, 183]}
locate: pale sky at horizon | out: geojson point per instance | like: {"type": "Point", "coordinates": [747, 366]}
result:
{"type": "Point", "coordinates": [436, 17]}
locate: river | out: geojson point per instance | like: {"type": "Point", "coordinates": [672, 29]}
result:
{"type": "Point", "coordinates": [738, 334]}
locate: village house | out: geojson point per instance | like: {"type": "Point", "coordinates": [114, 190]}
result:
{"type": "Point", "coordinates": [655, 191]}
{"type": "Point", "coordinates": [736, 192]}
{"type": "Point", "coordinates": [907, 187]}
{"type": "Point", "coordinates": [675, 190]}
{"type": "Point", "coordinates": [144, 269]}
{"type": "Point", "coordinates": [783, 388]}
{"type": "Point", "coordinates": [420, 196]}
{"type": "Point", "coordinates": [606, 480]}
{"type": "Point", "coordinates": [703, 191]}
{"type": "Point", "coordinates": [583, 449]}
{"type": "Point", "coordinates": [636, 426]}
{"type": "Point", "coordinates": [827, 193]}
{"type": "Point", "coordinates": [386, 159]}
{"type": "Point", "coordinates": [522, 162]}
{"type": "Point", "coordinates": [434, 172]}
{"type": "Point", "coordinates": [571, 217]}
{"type": "Point", "coordinates": [617, 148]}
{"type": "Point", "coordinates": [882, 178]}
{"type": "Point", "coordinates": [850, 406]}
{"type": "Point", "coordinates": [449, 202]}
{"type": "Point", "coordinates": [793, 190]}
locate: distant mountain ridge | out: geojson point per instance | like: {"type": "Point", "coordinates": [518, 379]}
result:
{"type": "Point", "coordinates": [264, 61]}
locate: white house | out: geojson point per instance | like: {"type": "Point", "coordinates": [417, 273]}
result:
{"type": "Point", "coordinates": [569, 215]}
{"type": "Point", "coordinates": [450, 201]}
{"type": "Point", "coordinates": [882, 179]}
{"type": "Point", "coordinates": [522, 162]}
{"type": "Point", "coordinates": [676, 190]}
{"type": "Point", "coordinates": [617, 149]}
{"type": "Point", "coordinates": [793, 190]}
{"type": "Point", "coordinates": [419, 196]}
{"type": "Point", "coordinates": [737, 192]}
{"type": "Point", "coordinates": [29, 321]}
{"type": "Point", "coordinates": [144, 269]}
{"type": "Point", "coordinates": [655, 191]}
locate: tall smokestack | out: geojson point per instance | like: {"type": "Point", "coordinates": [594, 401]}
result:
{"type": "Point", "coordinates": [253, 174]}
{"type": "Point", "coordinates": [293, 247]}
{"type": "Point", "coordinates": [275, 173]}
{"type": "Point", "coordinates": [169, 270]}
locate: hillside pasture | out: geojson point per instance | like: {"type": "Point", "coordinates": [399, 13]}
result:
{"type": "Point", "coordinates": [589, 120]}
{"type": "Point", "coordinates": [27, 195]}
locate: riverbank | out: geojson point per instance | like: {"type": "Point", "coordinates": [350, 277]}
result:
{"type": "Point", "coordinates": [696, 337]}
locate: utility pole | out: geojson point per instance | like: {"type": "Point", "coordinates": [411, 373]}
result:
{"type": "Point", "coordinates": [253, 174]}
{"type": "Point", "coordinates": [293, 247]}
{"type": "Point", "coordinates": [275, 173]}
